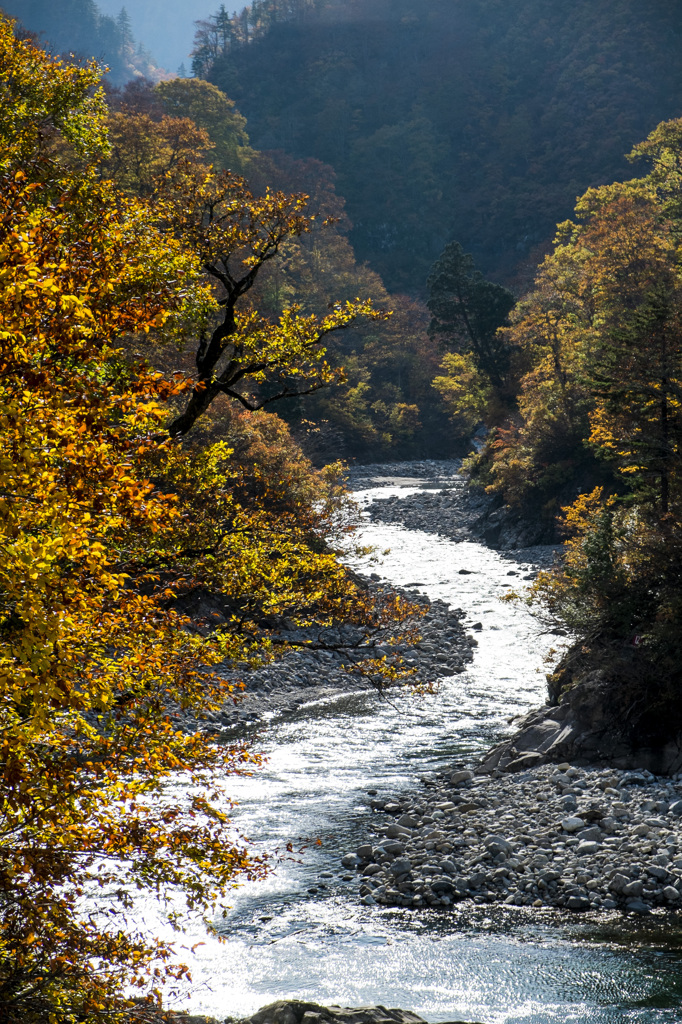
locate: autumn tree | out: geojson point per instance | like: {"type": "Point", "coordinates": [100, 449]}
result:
{"type": "Point", "coordinates": [254, 360]}
{"type": "Point", "coordinates": [636, 367]}
{"type": "Point", "coordinates": [211, 111]}
{"type": "Point", "coordinates": [106, 529]}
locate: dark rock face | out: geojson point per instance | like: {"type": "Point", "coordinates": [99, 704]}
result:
{"type": "Point", "coordinates": [292, 1011]}
{"type": "Point", "coordinates": [597, 721]}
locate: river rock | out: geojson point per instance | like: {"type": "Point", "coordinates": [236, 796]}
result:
{"type": "Point", "coordinates": [572, 824]}
{"type": "Point", "coordinates": [637, 907]}
{"type": "Point", "coordinates": [506, 839]}
{"type": "Point", "coordinates": [293, 1011]}
{"type": "Point", "coordinates": [395, 831]}
{"type": "Point", "coordinates": [400, 866]}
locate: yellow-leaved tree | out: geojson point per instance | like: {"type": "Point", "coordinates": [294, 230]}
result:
{"type": "Point", "coordinates": [104, 527]}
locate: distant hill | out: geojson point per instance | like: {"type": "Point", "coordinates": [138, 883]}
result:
{"type": "Point", "coordinates": [79, 27]}
{"type": "Point", "coordinates": [479, 120]}
{"type": "Point", "coordinates": [164, 26]}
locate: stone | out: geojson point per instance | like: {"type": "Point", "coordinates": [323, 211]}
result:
{"type": "Point", "coordinates": [400, 866]}
{"type": "Point", "coordinates": [407, 821]}
{"type": "Point", "coordinates": [676, 809]}
{"type": "Point", "coordinates": [578, 903]}
{"type": "Point", "coordinates": [641, 830]}
{"type": "Point", "coordinates": [671, 893]}
{"type": "Point", "coordinates": [457, 778]}
{"type": "Point", "coordinates": [524, 761]}
{"type": "Point", "coordinates": [635, 888]}
{"type": "Point", "coordinates": [658, 872]}
{"type": "Point", "coordinates": [396, 831]}
{"type": "Point", "coordinates": [618, 882]}
{"type": "Point", "coordinates": [587, 849]}
{"type": "Point", "coordinates": [572, 824]}
{"type": "Point", "coordinates": [364, 852]}
{"type": "Point", "coordinates": [637, 907]}
{"type": "Point", "coordinates": [633, 779]}
{"type": "Point", "coordinates": [293, 1011]}
{"type": "Point", "coordinates": [590, 835]}
{"type": "Point", "coordinates": [497, 844]}
{"type": "Point", "coordinates": [371, 869]}
{"type": "Point", "coordinates": [350, 860]}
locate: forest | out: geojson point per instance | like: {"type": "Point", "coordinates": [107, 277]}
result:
{"type": "Point", "coordinates": [480, 121]}
{"type": "Point", "coordinates": [337, 240]}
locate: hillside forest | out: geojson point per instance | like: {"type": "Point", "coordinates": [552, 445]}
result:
{"type": "Point", "coordinates": [207, 296]}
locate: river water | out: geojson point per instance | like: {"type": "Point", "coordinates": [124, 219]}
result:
{"type": "Point", "coordinates": [303, 933]}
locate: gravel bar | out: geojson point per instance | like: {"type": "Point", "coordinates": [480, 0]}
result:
{"type": "Point", "coordinates": [552, 836]}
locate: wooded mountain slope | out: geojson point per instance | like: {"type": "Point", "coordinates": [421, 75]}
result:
{"type": "Point", "coordinates": [479, 120]}
{"type": "Point", "coordinates": [79, 27]}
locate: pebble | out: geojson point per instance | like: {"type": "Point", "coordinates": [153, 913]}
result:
{"type": "Point", "coordinates": [505, 838]}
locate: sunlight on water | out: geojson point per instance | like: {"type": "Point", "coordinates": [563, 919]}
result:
{"type": "Point", "coordinates": [284, 941]}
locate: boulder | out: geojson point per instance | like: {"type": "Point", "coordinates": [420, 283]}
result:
{"type": "Point", "coordinates": [293, 1011]}
{"type": "Point", "coordinates": [588, 722]}
{"type": "Point", "coordinates": [401, 866]}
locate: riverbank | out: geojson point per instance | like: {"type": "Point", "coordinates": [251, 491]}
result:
{"type": "Point", "coordinates": [522, 831]}
{"type": "Point", "coordinates": [304, 677]}
{"type": "Point", "coordinates": [552, 837]}
{"type": "Point", "coordinates": [446, 505]}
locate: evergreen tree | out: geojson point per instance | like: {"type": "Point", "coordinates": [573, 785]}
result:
{"type": "Point", "coordinates": [467, 310]}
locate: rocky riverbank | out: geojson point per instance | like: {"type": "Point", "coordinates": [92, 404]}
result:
{"type": "Point", "coordinates": [449, 507]}
{"type": "Point", "coordinates": [553, 837]}
{"type": "Point", "coordinates": [324, 670]}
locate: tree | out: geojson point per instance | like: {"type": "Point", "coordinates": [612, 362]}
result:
{"type": "Point", "coordinates": [104, 531]}
{"type": "Point", "coordinates": [636, 369]}
{"type": "Point", "coordinates": [211, 111]}
{"type": "Point", "coordinates": [234, 234]}
{"type": "Point", "coordinates": [41, 110]}
{"type": "Point", "coordinates": [467, 310]}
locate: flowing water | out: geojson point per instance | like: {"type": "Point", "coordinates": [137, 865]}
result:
{"type": "Point", "coordinates": [302, 932]}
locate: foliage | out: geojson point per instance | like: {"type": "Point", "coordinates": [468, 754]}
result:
{"type": "Point", "coordinates": [466, 391]}
{"type": "Point", "coordinates": [246, 356]}
{"type": "Point", "coordinates": [234, 234]}
{"type": "Point", "coordinates": [211, 111]}
{"type": "Point", "coordinates": [142, 148]}
{"type": "Point", "coordinates": [108, 530]}
{"type": "Point", "coordinates": [603, 396]}
{"type": "Point", "coordinates": [45, 104]}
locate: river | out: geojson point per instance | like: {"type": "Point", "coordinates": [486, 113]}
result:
{"type": "Point", "coordinates": [303, 933]}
